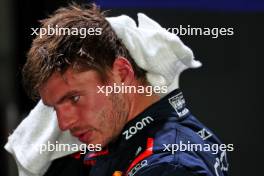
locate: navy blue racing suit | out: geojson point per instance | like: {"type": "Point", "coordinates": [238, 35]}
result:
{"type": "Point", "coordinates": [164, 140]}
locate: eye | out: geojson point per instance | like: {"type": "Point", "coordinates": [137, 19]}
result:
{"type": "Point", "coordinates": [75, 99]}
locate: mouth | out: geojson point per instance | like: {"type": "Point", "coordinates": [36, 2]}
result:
{"type": "Point", "coordinates": [84, 136]}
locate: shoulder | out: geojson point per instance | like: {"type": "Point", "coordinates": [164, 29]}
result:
{"type": "Point", "coordinates": [161, 169]}
{"type": "Point", "coordinates": [167, 158]}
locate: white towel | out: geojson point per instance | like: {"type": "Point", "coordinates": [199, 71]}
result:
{"type": "Point", "coordinates": [160, 53]}
{"type": "Point", "coordinates": [39, 127]}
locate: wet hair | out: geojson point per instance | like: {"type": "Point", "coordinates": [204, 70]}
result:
{"type": "Point", "coordinates": [51, 53]}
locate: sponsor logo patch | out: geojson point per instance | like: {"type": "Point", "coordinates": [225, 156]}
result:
{"type": "Point", "coordinates": [117, 173]}
{"type": "Point", "coordinates": [137, 127]}
{"type": "Point", "coordinates": [135, 169]}
{"type": "Point", "coordinates": [204, 134]}
{"type": "Point", "coordinates": [178, 103]}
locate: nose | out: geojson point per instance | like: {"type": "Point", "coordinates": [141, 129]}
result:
{"type": "Point", "coordinates": [66, 118]}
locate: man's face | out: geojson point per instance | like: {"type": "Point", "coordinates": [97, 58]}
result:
{"type": "Point", "coordinates": [92, 117]}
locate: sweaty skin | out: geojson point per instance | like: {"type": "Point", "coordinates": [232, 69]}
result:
{"type": "Point", "coordinates": [93, 117]}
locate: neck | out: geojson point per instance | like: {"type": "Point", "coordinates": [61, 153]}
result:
{"type": "Point", "coordinates": [139, 102]}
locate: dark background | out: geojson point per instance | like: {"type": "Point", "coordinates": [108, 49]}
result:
{"type": "Point", "coordinates": [224, 94]}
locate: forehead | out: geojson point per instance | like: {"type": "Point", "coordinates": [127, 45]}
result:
{"type": "Point", "coordinates": [60, 84]}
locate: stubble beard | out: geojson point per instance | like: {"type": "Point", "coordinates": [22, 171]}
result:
{"type": "Point", "coordinates": [117, 116]}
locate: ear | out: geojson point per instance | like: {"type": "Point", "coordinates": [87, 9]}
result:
{"type": "Point", "coordinates": [123, 71]}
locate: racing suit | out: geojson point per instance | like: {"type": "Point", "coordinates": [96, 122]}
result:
{"type": "Point", "coordinates": [164, 140]}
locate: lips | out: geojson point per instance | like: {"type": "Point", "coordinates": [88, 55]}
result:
{"type": "Point", "coordinates": [84, 137]}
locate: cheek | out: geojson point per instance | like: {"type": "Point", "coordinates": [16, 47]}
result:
{"type": "Point", "coordinates": [101, 101]}
{"type": "Point", "coordinates": [94, 110]}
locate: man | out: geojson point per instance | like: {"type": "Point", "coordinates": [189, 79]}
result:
{"type": "Point", "coordinates": [139, 133]}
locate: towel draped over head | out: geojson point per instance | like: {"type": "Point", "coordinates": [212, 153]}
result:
{"type": "Point", "coordinates": [161, 53]}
